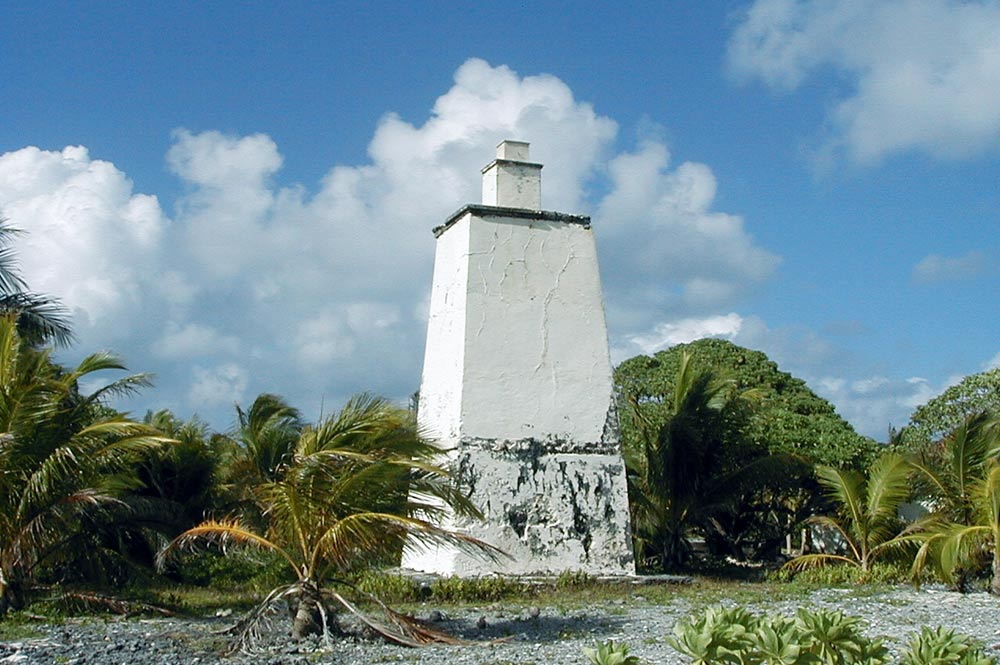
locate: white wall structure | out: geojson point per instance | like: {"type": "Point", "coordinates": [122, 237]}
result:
{"type": "Point", "coordinates": [517, 383]}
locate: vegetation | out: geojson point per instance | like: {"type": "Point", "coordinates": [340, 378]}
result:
{"type": "Point", "coordinates": [609, 653]}
{"type": "Point", "coordinates": [353, 490]}
{"type": "Point", "coordinates": [740, 438]}
{"type": "Point", "coordinates": [735, 635]}
{"type": "Point", "coordinates": [976, 393]}
{"type": "Point", "coordinates": [786, 416]}
{"type": "Point", "coordinates": [941, 645]}
{"type": "Point", "coordinates": [954, 477]}
{"type": "Point", "coordinates": [66, 463]}
{"type": "Point", "coordinates": [692, 470]}
{"type": "Point", "coordinates": [955, 548]}
{"type": "Point", "coordinates": [868, 522]}
{"type": "Point", "coordinates": [39, 319]}
{"type": "Point", "coordinates": [719, 444]}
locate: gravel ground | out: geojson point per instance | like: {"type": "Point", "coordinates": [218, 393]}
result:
{"type": "Point", "coordinates": [554, 637]}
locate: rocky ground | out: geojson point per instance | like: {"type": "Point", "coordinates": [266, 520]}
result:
{"type": "Point", "coordinates": [553, 637]}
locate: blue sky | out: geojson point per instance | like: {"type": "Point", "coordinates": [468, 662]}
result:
{"type": "Point", "coordinates": [238, 198]}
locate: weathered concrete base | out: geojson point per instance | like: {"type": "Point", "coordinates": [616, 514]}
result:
{"type": "Point", "coordinates": [550, 508]}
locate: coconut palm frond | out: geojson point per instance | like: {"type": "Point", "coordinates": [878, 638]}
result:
{"type": "Point", "coordinates": [223, 532]}
{"type": "Point", "coordinates": [816, 560]}
{"type": "Point", "coordinates": [39, 319]}
{"type": "Point", "coordinates": [125, 387]}
{"type": "Point", "coordinates": [847, 489]}
{"type": "Point", "coordinates": [887, 486]}
{"type": "Point", "coordinates": [365, 532]}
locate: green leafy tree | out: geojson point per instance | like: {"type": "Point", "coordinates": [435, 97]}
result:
{"type": "Point", "coordinates": [355, 489]}
{"type": "Point", "coordinates": [932, 421]}
{"type": "Point", "coordinates": [868, 513]}
{"type": "Point", "coordinates": [783, 418]}
{"type": "Point", "coordinates": [65, 461]}
{"type": "Point", "coordinates": [787, 417]}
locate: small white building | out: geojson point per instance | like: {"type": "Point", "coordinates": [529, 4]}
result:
{"type": "Point", "coordinates": [517, 383]}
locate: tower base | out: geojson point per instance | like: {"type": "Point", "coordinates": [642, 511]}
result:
{"type": "Point", "coordinates": [549, 505]}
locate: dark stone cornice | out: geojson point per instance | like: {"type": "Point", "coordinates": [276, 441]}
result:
{"type": "Point", "coordinates": [518, 213]}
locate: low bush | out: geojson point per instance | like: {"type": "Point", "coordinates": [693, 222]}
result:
{"type": "Point", "coordinates": [941, 645]}
{"type": "Point", "coordinates": [388, 588]}
{"type": "Point", "coordinates": [735, 635]}
{"type": "Point", "coordinates": [609, 653]}
{"type": "Point", "coordinates": [477, 589]}
{"type": "Point", "coordinates": [210, 567]}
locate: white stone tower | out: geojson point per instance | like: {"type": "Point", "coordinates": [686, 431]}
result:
{"type": "Point", "coordinates": [517, 383]}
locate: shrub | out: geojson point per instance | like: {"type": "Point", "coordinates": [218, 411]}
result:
{"type": "Point", "coordinates": [734, 635]}
{"type": "Point", "coordinates": [388, 588]}
{"type": "Point", "coordinates": [942, 645]}
{"type": "Point", "coordinates": [476, 589]}
{"type": "Point", "coordinates": [609, 653]}
{"type": "Point", "coordinates": [882, 572]}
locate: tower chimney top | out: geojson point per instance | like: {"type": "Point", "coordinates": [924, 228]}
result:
{"type": "Point", "coordinates": [510, 180]}
{"type": "Point", "coordinates": [514, 151]}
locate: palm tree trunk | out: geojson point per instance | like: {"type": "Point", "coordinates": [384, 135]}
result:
{"type": "Point", "coordinates": [308, 620]}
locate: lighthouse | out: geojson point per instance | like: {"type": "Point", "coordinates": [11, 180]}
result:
{"type": "Point", "coordinates": [517, 384]}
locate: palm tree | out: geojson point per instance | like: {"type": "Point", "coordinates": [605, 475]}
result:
{"type": "Point", "coordinates": [357, 488]}
{"type": "Point", "coordinates": [868, 520]}
{"type": "Point", "coordinates": [267, 433]}
{"type": "Point", "coordinates": [956, 477]}
{"type": "Point", "coordinates": [40, 319]}
{"type": "Point", "coordinates": [951, 470]}
{"type": "Point", "coordinates": [185, 474]}
{"type": "Point", "coordinates": [952, 545]}
{"type": "Point", "coordinates": [65, 460]}
{"type": "Point", "coordinates": [688, 472]}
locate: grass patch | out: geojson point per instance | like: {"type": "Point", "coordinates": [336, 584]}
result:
{"type": "Point", "coordinates": [17, 626]}
{"type": "Point", "coordinates": [881, 573]}
{"type": "Point", "coordinates": [199, 600]}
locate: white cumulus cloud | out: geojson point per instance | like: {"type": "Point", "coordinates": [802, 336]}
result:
{"type": "Point", "coordinates": [318, 291]}
{"type": "Point", "coordinates": [921, 75]}
{"type": "Point", "coordinates": [670, 333]}
{"type": "Point", "coordinates": [89, 239]}
{"type": "Point", "coordinates": [669, 249]}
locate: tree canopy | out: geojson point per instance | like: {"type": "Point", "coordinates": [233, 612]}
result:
{"type": "Point", "coordinates": [786, 417]}
{"type": "Point", "coordinates": [974, 394]}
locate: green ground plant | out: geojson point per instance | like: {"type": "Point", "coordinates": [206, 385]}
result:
{"type": "Point", "coordinates": [609, 653]}
{"type": "Point", "coordinates": [812, 637]}
{"type": "Point", "coordinates": [942, 645]}
{"type": "Point", "coordinates": [879, 573]}
{"type": "Point", "coordinates": [478, 589]}
{"type": "Point", "coordinates": [735, 635]}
